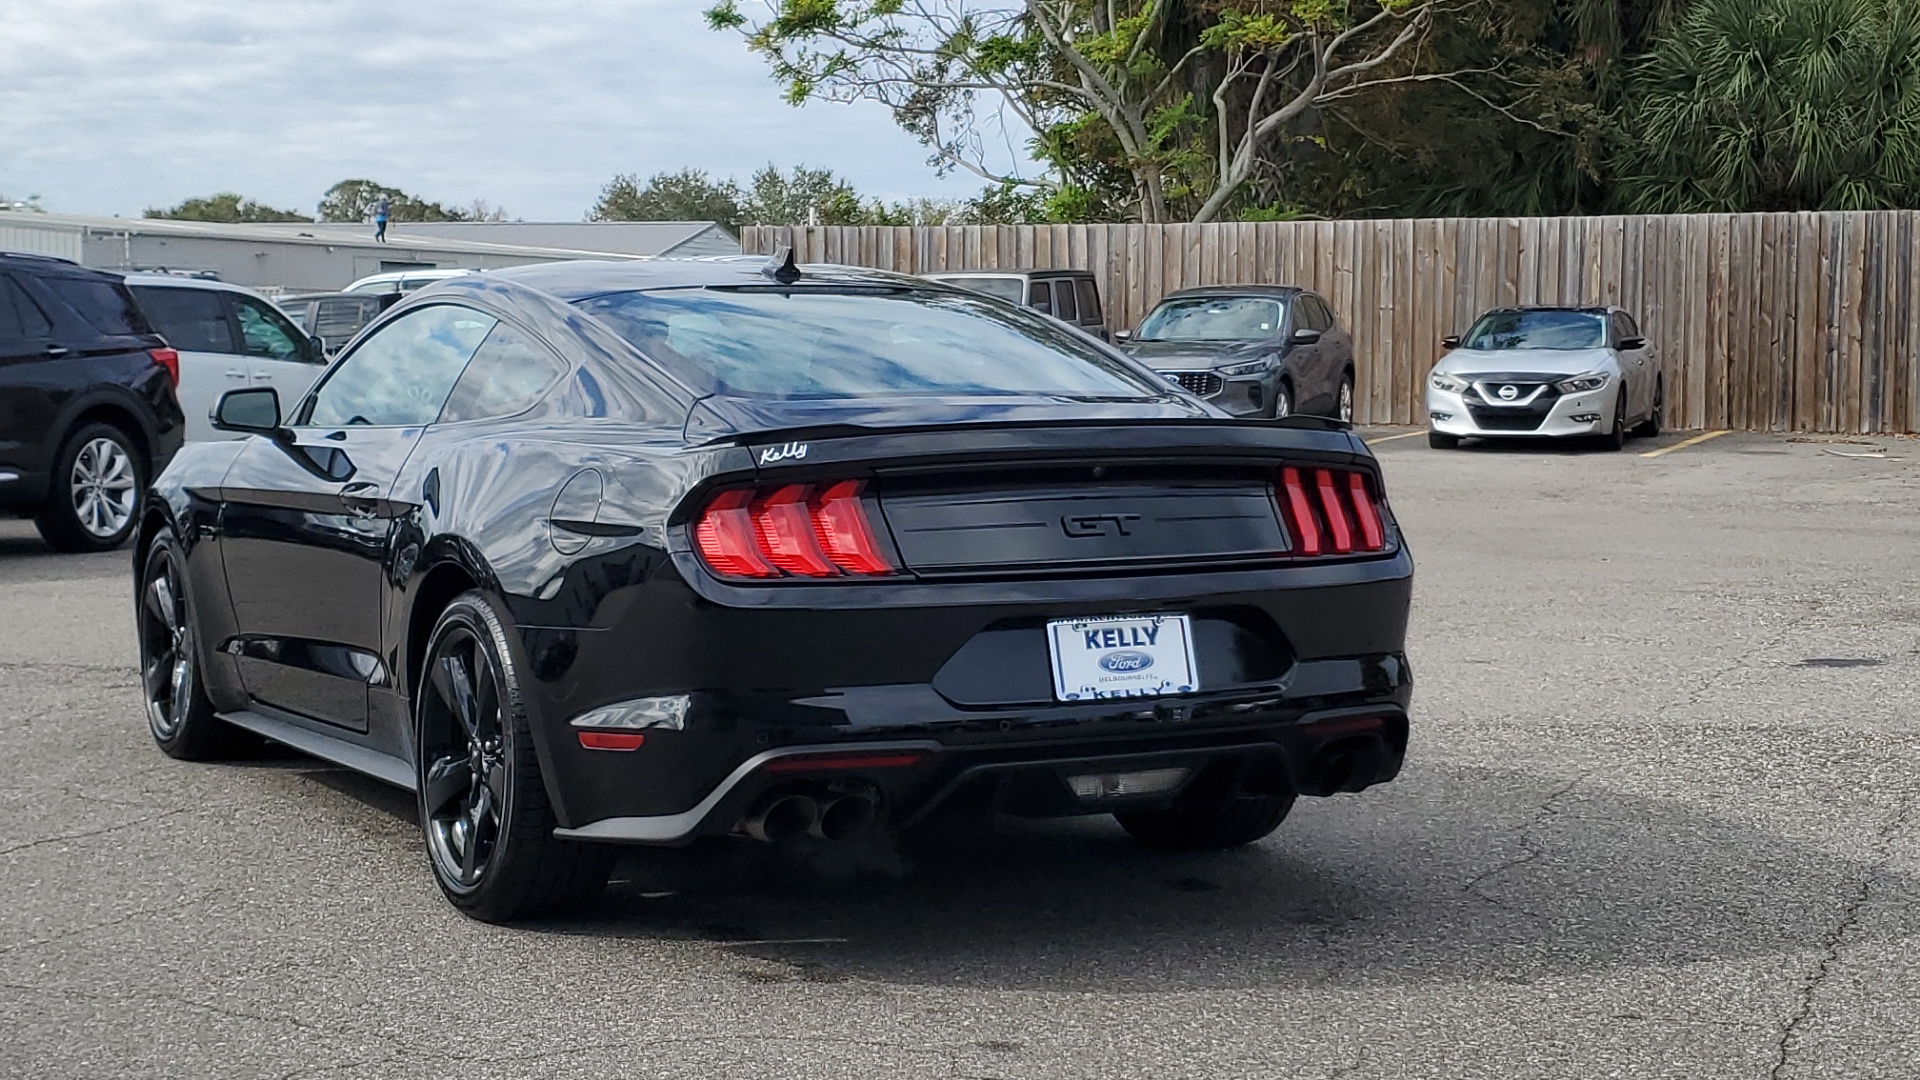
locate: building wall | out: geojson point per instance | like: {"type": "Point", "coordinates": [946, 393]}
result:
{"type": "Point", "coordinates": [20, 232]}
{"type": "Point", "coordinates": [276, 265]}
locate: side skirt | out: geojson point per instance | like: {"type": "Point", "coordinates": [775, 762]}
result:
{"type": "Point", "coordinates": [362, 759]}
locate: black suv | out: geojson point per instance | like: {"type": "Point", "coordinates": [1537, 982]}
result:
{"type": "Point", "coordinates": [87, 405]}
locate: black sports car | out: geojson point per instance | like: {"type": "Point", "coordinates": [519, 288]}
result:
{"type": "Point", "coordinates": [594, 553]}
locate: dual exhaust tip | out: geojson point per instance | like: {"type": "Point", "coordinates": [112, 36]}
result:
{"type": "Point", "coordinates": [834, 817]}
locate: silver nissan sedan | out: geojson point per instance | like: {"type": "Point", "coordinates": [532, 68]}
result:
{"type": "Point", "coordinates": [1546, 372]}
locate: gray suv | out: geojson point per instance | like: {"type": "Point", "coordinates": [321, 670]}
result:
{"type": "Point", "coordinates": [1253, 350]}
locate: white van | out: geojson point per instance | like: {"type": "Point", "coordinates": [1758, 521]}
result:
{"type": "Point", "coordinates": [228, 338]}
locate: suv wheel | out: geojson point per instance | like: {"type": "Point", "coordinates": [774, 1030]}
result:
{"type": "Point", "coordinates": [1282, 400]}
{"type": "Point", "coordinates": [97, 490]}
{"type": "Point", "coordinates": [1343, 409]}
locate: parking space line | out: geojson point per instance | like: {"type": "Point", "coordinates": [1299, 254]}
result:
{"type": "Point", "coordinates": [1684, 443]}
{"type": "Point", "coordinates": [1390, 438]}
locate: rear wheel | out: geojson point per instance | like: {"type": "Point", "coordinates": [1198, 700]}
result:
{"type": "Point", "coordinates": [1231, 822]}
{"type": "Point", "coordinates": [95, 497]}
{"type": "Point", "coordinates": [1443, 442]}
{"type": "Point", "coordinates": [483, 804]}
{"type": "Point", "coordinates": [178, 712]}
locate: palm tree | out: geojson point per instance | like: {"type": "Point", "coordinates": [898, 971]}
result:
{"type": "Point", "coordinates": [1778, 105]}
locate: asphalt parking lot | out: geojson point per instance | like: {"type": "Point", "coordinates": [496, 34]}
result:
{"type": "Point", "coordinates": [1659, 820]}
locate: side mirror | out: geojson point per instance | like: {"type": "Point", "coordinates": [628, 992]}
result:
{"type": "Point", "coordinates": [254, 411]}
{"type": "Point", "coordinates": [1304, 336]}
{"type": "Point", "coordinates": [1451, 341]}
{"type": "Point", "coordinates": [1632, 343]}
{"type": "Point", "coordinates": [1121, 337]}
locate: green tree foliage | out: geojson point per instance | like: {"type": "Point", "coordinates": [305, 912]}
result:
{"type": "Point", "coordinates": [798, 196]}
{"type": "Point", "coordinates": [687, 195]}
{"type": "Point", "coordinates": [224, 206]}
{"type": "Point", "coordinates": [1778, 105]}
{"type": "Point", "coordinates": [352, 200]}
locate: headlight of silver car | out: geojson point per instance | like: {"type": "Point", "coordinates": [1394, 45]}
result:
{"type": "Point", "coordinates": [1449, 383]}
{"type": "Point", "coordinates": [1580, 384]}
{"type": "Point", "coordinates": [1252, 367]}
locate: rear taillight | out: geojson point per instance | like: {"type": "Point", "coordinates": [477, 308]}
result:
{"type": "Point", "coordinates": [1330, 512]}
{"type": "Point", "coordinates": [169, 359]}
{"type": "Point", "coordinates": [794, 530]}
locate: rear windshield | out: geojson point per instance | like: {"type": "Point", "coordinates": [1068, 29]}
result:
{"type": "Point", "coordinates": [1212, 318]}
{"type": "Point", "coordinates": [1538, 330]}
{"type": "Point", "coordinates": [813, 343]}
{"type": "Point", "coordinates": [104, 304]}
{"type": "Point", "coordinates": [1011, 289]}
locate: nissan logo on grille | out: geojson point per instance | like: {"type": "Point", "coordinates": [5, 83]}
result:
{"type": "Point", "coordinates": [1508, 393]}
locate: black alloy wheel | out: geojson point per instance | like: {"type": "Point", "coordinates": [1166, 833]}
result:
{"type": "Point", "coordinates": [1651, 426]}
{"type": "Point", "coordinates": [95, 499]}
{"type": "Point", "coordinates": [179, 714]}
{"type": "Point", "coordinates": [489, 826]}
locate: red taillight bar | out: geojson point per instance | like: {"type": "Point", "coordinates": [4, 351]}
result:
{"type": "Point", "coordinates": [1338, 516]}
{"type": "Point", "coordinates": [169, 359]}
{"type": "Point", "coordinates": [794, 530]}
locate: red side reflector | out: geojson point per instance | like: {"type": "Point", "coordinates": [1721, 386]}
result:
{"type": "Point", "coordinates": [1306, 531]}
{"type": "Point", "coordinates": [840, 523]}
{"type": "Point", "coordinates": [842, 762]}
{"type": "Point", "coordinates": [169, 359]}
{"type": "Point", "coordinates": [1372, 536]}
{"type": "Point", "coordinates": [783, 524]}
{"type": "Point", "coordinates": [726, 537]}
{"type": "Point", "coordinates": [1336, 513]}
{"type": "Point", "coordinates": [612, 740]}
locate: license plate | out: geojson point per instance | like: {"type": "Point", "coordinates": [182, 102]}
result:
{"type": "Point", "coordinates": [1129, 656]}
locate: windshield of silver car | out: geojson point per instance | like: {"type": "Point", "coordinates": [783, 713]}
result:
{"type": "Point", "coordinates": [1212, 318]}
{"type": "Point", "coordinates": [1538, 330]}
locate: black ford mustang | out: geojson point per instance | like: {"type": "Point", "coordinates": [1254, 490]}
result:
{"type": "Point", "coordinates": [595, 553]}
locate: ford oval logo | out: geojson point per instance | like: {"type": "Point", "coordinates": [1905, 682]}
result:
{"type": "Point", "coordinates": [1126, 660]}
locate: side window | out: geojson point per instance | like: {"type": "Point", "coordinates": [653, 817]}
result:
{"type": "Point", "coordinates": [1064, 305]}
{"type": "Point", "coordinates": [507, 375]}
{"type": "Point", "coordinates": [106, 305]}
{"type": "Point", "coordinates": [401, 374]}
{"type": "Point", "coordinates": [266, 332]}
{"type": "Point", "coordinates": [190, 319]}
{"type": "Point", "coordinates": [20, 318]}
{"type": "Point", "coordinates": [1089, 300]}
{"type": "Point", "coordinates": [1323, 312]}
{"type": "Point", "coordinates": [1304, 315]}
{"type": "Point", "coordinates": [1623, 326]}
{"type": "Point", "coordinates": [1040, 295]}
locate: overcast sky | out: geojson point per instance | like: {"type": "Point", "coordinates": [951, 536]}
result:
{"type": "Point", "coordinates": [112, 106]}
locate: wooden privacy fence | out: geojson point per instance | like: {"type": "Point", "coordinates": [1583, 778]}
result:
{"type": "Point", "coordinates": [1762, 322]}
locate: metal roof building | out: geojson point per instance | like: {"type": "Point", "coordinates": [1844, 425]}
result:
{"type": "Point", "coordinates": [321, 257]}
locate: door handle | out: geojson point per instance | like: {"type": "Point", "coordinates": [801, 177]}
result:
{"type": "Point", "coordinates": [57, 352]}
{"type": "Point", "coordinates": [236, 373]}
{"type": "Point", "coordinates": [362, 497]}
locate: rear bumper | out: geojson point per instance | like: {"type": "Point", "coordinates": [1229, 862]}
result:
{"type": "Point", "coordinates": [1290, 660]}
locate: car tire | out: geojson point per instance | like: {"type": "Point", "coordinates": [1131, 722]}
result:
{"type": "Point", "coordinates": [1443, 442]}
{"type": "Point", "coordinates": [1233, 822]}
{"type": "Point", "coordinates": [483, 805]}
{"type": "Point", "coordinates": [1343, 400]}
{"type": "Point", "coordinates": [1282, 400]}
{"type": "Point", "coordinates": [1650, 427]}
{"type": "Point", "coordinates": [97, 491]}
{"type": "Point", "coordinates": [1617, 438]}
{"type": "Point", "coordinates": [179, 714]}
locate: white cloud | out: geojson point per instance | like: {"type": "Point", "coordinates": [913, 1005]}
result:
{"type": "Point", "coordinates": [111, 106]}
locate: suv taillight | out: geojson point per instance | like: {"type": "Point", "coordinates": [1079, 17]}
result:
{"type": "Point", "coordinates": [169, 359]}
{"type": "Point", "coordinates": [793, 530]}
{"type": "Point", "coordinates": [1330, 512]}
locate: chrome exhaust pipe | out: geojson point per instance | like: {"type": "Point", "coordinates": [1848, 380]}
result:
{"type": "Point", "coordinates": [845, 817]}
{"type": "Point", "coordinates": [783, 819]}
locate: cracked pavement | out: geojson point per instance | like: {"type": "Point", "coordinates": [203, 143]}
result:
{"type": "Point", "coordinates": [1658, 820]}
